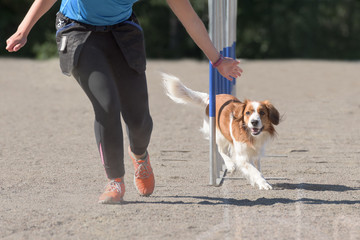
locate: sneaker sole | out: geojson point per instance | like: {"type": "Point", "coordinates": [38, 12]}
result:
{"type": "Point", "coordinates": [111, 202]}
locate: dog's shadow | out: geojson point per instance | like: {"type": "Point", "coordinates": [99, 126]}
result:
{"type": "Point", "coordinates": [206, 200]}
{"type": "Point", "coordinates": [313, 187]}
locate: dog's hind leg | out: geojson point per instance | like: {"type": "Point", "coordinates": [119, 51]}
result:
{"type": "Point", "coordinates": [223, 146]}
{"type": "Point", "coordinates": [230, 165]}
{"type": "Point", "coordinates": [205, 128]}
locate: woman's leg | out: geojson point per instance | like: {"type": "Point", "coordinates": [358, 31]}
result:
{"type": "Point", "coordinates": [95, 75]}
{"type": "Point", "coordinates": [134, 103]}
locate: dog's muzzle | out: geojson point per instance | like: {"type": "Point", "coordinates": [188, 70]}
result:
{"type": "Point", "coordinates": [256, 131]}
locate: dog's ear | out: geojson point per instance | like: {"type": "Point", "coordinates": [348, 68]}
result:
{"type": "Point", "coordinates": [274, 115]}
{"type": "Point", "coordinates": [238, 111]}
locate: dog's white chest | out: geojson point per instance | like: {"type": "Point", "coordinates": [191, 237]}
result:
{"type": "Point", "coordinates": [254, 150]}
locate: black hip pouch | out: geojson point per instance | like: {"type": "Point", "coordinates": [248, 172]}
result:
{"type": "Point", "coordinates": [71, 36]}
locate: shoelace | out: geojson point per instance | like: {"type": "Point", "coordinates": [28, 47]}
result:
{"type": "Point", "coordinates": [113, 186]}
{"type": "Point", "coordinates": [144, 170]}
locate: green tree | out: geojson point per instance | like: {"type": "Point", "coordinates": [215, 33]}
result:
{"type": "Point", "coordinates": [317, 29]}
{"type": "Point", "coordinates": [41, 42]}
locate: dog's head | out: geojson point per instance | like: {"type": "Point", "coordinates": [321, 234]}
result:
{"type": "Point", "coordinates": [259, 117]}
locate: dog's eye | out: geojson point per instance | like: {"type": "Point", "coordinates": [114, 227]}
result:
{"type": "Point", "coordinates": [262, 113]}
{"type": "Point", "coordinates": [247, 113]}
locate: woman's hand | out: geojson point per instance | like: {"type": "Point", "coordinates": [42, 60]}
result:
{"type": "Point", "coordinates": [16, 41]}
{"type": "Point", "coordinates": [19, 38]}
{"type": "Point", "coordinates": [229, 68]}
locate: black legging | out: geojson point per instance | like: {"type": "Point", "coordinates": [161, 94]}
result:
{"type": "Point", "coordinates": [113, 89]}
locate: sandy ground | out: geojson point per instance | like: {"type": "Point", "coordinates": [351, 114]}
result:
{"type": "Point", "coordinates": [51, 173]}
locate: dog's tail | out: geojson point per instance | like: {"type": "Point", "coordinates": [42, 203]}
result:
{"type": "Point", "coordinates": [179, 93]}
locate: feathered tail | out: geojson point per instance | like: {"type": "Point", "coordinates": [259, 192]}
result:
{"type": "Point", "coordinates": [179, 93]}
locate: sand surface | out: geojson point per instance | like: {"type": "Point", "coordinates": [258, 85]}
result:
{"type": "Point", "coordinates": [51, 173]}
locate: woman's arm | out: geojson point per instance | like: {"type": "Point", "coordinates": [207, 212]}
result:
{"type": "Point", "coordinates": [197, 31]}
{"type": "Point", "coordinates": [36, 11]}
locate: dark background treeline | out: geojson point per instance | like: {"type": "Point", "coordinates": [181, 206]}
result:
{"type": "Point", "coordinates": [312, 29]}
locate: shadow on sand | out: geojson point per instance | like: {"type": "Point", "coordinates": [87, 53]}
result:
{"type": "Point", "coordinates": [313, 187]}
{"type": "Point", "coordinates": [206, 200]}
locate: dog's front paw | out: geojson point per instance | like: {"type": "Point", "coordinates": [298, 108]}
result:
{"type": "Point", "coordinates": [231, 167]}
{"type": "Point", "coordinates": [264, 185]}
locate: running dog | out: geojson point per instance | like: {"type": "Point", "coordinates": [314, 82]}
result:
{"type": "Point", "coordinates": [242, 128]}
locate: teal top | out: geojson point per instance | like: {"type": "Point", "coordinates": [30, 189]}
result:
{"type": "Point", "coordinates": [97, 12]}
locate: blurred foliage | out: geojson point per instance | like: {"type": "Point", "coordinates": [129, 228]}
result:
{"type": "Point", "coordinates": [325, 29]}
{"type": "Point", "coordinates": [165, 37]}
{"type": "Point", "coordinates": [320, 29]}
{"type": "Point", "coordinates": [41, 40]}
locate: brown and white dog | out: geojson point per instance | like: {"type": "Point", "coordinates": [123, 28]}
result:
{"type": "Point", "coordinates": [242, 128]}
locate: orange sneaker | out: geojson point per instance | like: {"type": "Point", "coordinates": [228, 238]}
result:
{"type": "Point", "coordinates": [114, 192]}
{"type": "Point", "coordinates": [144, 177]}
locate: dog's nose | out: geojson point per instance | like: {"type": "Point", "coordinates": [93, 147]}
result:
{"type": "Point", "coordinates": [254, 122]}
